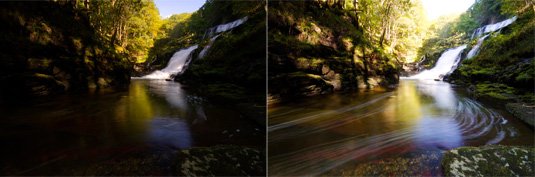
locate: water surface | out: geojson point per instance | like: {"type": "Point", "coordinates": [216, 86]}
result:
{"type": "Point", "coordinates": [48, 135]}
{"type": "Point", "coordinates": [323, 134]}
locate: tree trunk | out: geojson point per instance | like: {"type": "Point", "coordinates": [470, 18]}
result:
{"type": "Point", "coordinates": [365, 62]}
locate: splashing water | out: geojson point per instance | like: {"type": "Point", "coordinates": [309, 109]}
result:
{"type": "Point", "coordinates": [493, 27]}
{"type": "Point", "coordinates": [176, 65]}
{"type": "Point", "coordinates": [447, 62]}
{"type": "Point", "coordinates": [473, 52]}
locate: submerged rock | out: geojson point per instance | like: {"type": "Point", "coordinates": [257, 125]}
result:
{"type": "Point", "coordinates": [489, 161]}
{"type": "Point", "coordinates": [523, 112]}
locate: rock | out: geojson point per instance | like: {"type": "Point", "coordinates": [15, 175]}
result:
{"type": "Point", "coordinates": [493, 160]}
{"type": "Point", "coordinates": [200, 161]}
{"type": "Point", "coordinates": [300, 84]}
{"type": "Point", "coordinates": [418, 164]}
{"type": "Point", "coordinates": [221, 161]}
{"type": "Point", "coordinates": [523, 112]}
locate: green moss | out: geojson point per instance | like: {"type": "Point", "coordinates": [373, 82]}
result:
{"type": "Point", "coordinates": [506, 57]}
{"type": "Point", "coordinates": [498, 91]}
{"type": "Point", "coordinates": [221, 161]}
{"type": "Point", "coordinates": [489, 161]}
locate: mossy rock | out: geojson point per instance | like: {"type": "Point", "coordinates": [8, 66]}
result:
{"type": "Point", "coordinates": [221, 161]}
{"type": "Point", "coordinates": [495, 91]}
{"type": "Point", "coordinates": [418, 164]}
{"type": "Point", "coordinates": [493, 160]}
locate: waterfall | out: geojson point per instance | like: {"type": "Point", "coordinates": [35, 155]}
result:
{"type": "Point", "coordinates": [473, 52]}
{"type": "Point", "coordinates": [450, 59]}
{"type": "Point", "coordinates": [225, 27]}
{"type": "Point", "coordinates": [445, 64]}
{"type": "Point", "coordinates": [181, 59]}
{"type": "Point", "coordinates": [493, 27]}
{"type": "Point", "coordinates": [176, 64]}
{"type": "Point", "coordinates": [207, 47]}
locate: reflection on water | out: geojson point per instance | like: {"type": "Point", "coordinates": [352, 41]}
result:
{"type": "Point", "coordinates": [168, 132]}
{"type": "Point", "coordinates": [48, 135]}
{"type": "Point", "coordinates": [321, 134]}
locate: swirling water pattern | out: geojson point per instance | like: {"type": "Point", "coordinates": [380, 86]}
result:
{"type": "Point", "coordinates": [322, 134]}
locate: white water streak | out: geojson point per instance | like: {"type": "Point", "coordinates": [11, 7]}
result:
{"type": "Point", "coordinates": [493, 27]}
{"type": "Point", "coordinates": [207, 47]}
{"type": "Point", "coordinates": [473, 52]}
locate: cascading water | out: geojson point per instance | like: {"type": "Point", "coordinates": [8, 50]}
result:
{"type": "Point", "coordinates": [176, 65]}
{"type": "Point", "coordinates": [450, 59]}
{"type": "Point", "coordinates": [225, 27]}
{"type": "Point", "coordinates": [447, 61]}
{"type": "Point", "coordinates": [493, 27]}
{"type": "Point", "coordinates": [207, 47]}
{"type": "Point", "coordinates": [473, 52]}
{"type": "Point", "coordinates": [181, 59]}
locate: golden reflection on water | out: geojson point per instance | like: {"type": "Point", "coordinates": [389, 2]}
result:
{"type": "Point", "coordinates": [404, 106]}
{"type": "Point", "coordinates": [136, 105]}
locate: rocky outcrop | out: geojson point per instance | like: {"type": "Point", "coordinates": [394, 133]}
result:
{"type": "Point", "coordinates": [315, 49]}
{"type": "Point", "coordinates": [489, 161]}
{"type": "Point", "coordinates": [53, 49]}
{"type": "Point", "coordinates": [523, 112]}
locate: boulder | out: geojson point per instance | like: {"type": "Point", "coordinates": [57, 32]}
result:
{"type": "Point", "coordinates": [523, 112]}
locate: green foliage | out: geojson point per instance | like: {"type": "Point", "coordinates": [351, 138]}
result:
{"type": "Point", "coordinates": [128, 27]}
{"type": "Point", "coordinates": [506, 57]}
{"type": "Point", "coordinates": [451, 31]}
{"type": "Point", "coordinates": [234, 68]}
{"type": "Point", "coordinates": [340, 45]}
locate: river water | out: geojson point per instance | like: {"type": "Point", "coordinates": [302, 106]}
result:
{"type": "Point", "coordinates": [50, 135]}
{"type": "Point", "coordinates": [332, 134]}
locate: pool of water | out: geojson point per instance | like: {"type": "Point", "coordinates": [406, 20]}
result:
{"type": "Point", "coordinates": [319, 135]}
{"type": "Point", "coordinates": [45, 136]}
